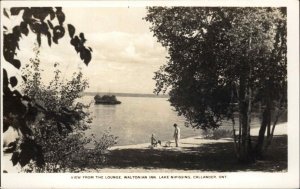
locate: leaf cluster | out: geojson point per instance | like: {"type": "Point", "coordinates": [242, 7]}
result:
{"type": "Point", "coordinates": [18, 109]}
{"type": "Point", "coordinates": [211, 50]}
{"type": "Point", "coordinates": [59, 130]}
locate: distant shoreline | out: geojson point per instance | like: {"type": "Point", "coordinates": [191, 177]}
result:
{"type": "Point", "coordinates": [126, 94]}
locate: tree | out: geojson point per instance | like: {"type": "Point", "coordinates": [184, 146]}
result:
{"type": "Point", "coordinates": [60, 145]}
{"type": "Point", "coordinates": [18, 108]}
{"type": "Point", "coordinates": [221, 60]}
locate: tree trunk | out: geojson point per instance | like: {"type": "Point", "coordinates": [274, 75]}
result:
{"type": "Point", "coordinates": [266, 119]}
{"type": "Point", "coordinates": [245, 119]}
{"type": "Point", "coordinates": [245, 109]}
{"type": "Point", "coordinates": [234, 138]}
{"type": "Point", "coordinates": [249, 110]}
{"type": "Point", "coordinates": [269, 127]}
{"type": "Point", "coordinates": [270, 138]}
{"type": "Point", "coordinates": [265, 124]}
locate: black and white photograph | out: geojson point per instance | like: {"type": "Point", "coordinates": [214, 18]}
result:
{"type": "Point", "coordinates": [190, 93]}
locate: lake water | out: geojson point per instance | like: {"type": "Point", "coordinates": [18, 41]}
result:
{"type": "Point", "coordinates": [137, 118]}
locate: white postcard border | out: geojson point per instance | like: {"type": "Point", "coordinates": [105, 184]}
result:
{"type": "Point", "coordinates": [288, 179]}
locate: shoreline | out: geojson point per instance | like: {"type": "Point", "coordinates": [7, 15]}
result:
{"type": "Point", "coordinates": [194, 155]}
{"type": "Point", "coordinates": [280, 129]}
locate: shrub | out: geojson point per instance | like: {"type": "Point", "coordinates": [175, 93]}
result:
{"type": "Point", "coordinates": [217, 133]}
{"type": "Point", "coordinates": [96, 156]}
{"type": "Point", "coordinates": [61, 137]}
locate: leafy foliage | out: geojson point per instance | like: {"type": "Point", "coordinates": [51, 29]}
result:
{"type": "Point", "coordinates": [18, 109]}
{"type": "Point", "coordinates": [209, 51]}
{"type": "Point", "coordinates": [219, 57]}
{"type": "Point", "coordinates": [91, 158]}
{"type": "Point", "coordinates": [61, 137]}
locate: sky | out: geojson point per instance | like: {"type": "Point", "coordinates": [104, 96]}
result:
{"type": "Point", "coordinates": [125, 53]}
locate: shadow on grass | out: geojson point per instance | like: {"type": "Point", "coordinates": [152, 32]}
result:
{"type": "Point", "coordinates": [207, 157]}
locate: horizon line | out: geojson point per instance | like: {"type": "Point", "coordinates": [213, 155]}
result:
{"type": "Point", "coordinates": [122, 93]}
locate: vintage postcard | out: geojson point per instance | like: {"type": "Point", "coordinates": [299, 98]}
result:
{"type": "Point", "coordinates": [150, 94]}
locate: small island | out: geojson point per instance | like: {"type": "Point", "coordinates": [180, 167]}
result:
{"type": "Point", "coordinates": [106, 99]}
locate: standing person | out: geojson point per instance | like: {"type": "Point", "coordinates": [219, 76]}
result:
{"type": "Point", "coordinates": [153, 140]}
{"type": "Point", "coordinates": [176, 134]}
